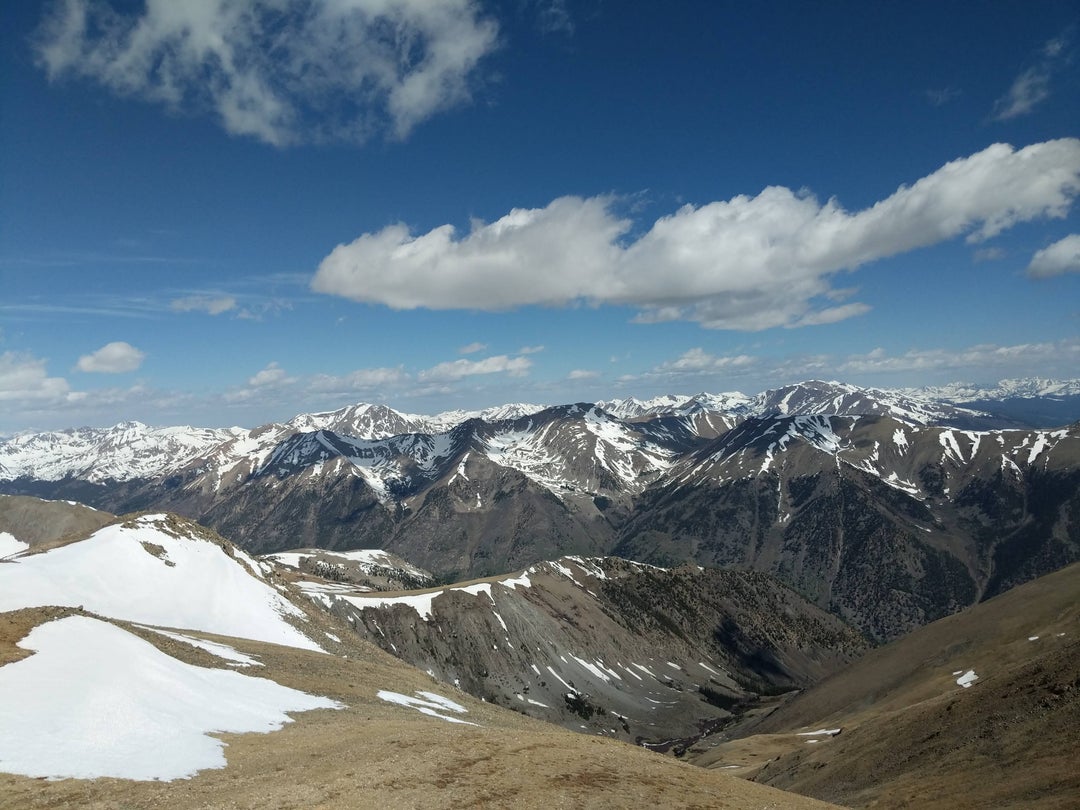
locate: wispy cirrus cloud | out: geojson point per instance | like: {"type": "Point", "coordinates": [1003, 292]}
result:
{"type": "Point", "coordinates": [280, 71]}
{"type": "Point", "coordinates": [364, 380]}
{"type": "Point", "coordinates": [939, 97]}
{"type": "Point", "coordinates": [1032, 86]}
{"type": "Point", "coordinates": [371, 383]}
{"type": "Point", "coordinates": [989, 254]}
{"type": "Point", "coordinates": [746, 263]}
{"type": "Point", "coordinates": [974, 362]}
{"type": "Point", "coordinates": [211, 305]}
{"type": "Point", "coordinates": [979, 363]}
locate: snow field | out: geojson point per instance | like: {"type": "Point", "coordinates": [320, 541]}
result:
{"type": "Point", "coordinates": [143, 573]}
{"type": "Point", "coordinates": [132, 712]}
{"type": "Point", "coordinates": [10, 545]}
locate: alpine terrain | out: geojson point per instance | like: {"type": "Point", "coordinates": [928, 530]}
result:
{"type": "Point", "coordinates": [415, 604]}
{"type": "Point", "coordinates": [149, 662]}
{"type": "Point", "coordinates": [823, 485]}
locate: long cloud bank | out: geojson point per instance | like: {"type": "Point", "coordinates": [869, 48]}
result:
{"type": "Point", "coordinates": [746, 263]}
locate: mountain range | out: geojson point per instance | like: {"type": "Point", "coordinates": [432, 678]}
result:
{"type": "Point", "coordinates": [889, 509]}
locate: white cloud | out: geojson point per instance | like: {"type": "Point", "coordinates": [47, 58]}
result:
{"type": "Point", "coordinates": [366, 379]}
{"type": "Point", "coordinates": [1028, 89]}
{"type": "Point", "coordinates": [582, 374]}
{"type": "Point", "coordinates": [273, 374]}
{"type": "Point", "coordinates": [117, 357]}
{"type": "Point", "coordinates": [990, 254]}
{"type": "Point", "coordinates": [981, 359]}
{"type": "Point", "coordinates": [211, 305]}
{"type": "Point", "coordinates": [281, 71]}
{"type": "Point", "coordinates": [1032, 86]}
{"type": "Point", "coordinates": [1059, 258]}
{"type": "Point", "coordinates": [530, 349]}
{"type": "Point", "coordinates": [698, 360]}
{"type": "Point", "coordinates": [23, 378]}
{"type": "Point", "coordinates": [472, 348]}
{"type": "Point", "coordinates": [745, 263]}
{"type": "Point", "coordinates": [939, 97]}
{"type": "Point", "coordinates": [554, 18]}
{"type": "Point", "coordinates": [457, 369]}
{"type": "Point", "coordinates": [258, 310]}
{"type": "Point", "coordinates": [549, 255]}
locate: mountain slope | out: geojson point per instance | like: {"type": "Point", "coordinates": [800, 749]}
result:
{"type": "Point", "coordinates": [381, 750]}
{"type": "Point", "coordinates": [161, 570]}
{"type": "Point", "coordinates": [884, 523]}
{"type": "Point", "coordinates": [609, 646]}
{"type": "Point", "coordinates": [164, 712]}
{"type": "Point", "coordinates": [37, 522]}
{"type": "Point", "coordinates": [914, 735]}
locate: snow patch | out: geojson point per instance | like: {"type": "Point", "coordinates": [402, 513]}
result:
{"type": "Point", "coordinates": [900, 440]}
{"type": "Point", "coordinates": [222, 651]}
{"type": "Point", "coordinates": [967, 679]}
{"type": "Point", "coordinates": [11, 545]}
{"type": "Point", "coordinates": [427, 703]}
{"type": "Point", "coordinates": [132, 712]}
{"type": "Point", "coordinates": [193, 584]}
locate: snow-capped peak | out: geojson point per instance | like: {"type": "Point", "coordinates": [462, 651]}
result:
{"type": "Point", "coordinates": [1026, 387]}
{"type": "Point", "coordinates": [123, 452]}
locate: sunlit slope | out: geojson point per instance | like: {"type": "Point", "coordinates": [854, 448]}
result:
{"type": "Point", "coordinates": [979, 709]}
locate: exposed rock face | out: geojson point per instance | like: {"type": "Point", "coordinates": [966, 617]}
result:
{"type": "Point", "coordinates": [612, 647]}
{"type": "Point", "coordinates": [883, 523]}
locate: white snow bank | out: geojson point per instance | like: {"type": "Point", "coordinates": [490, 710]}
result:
{"type": "Point", "coordinates": [222, 651]}
{"type": "Point", "coordinates": [288, 558]}
{"type": "Point", "coordinates": [98, 701]}
{"type": "Point", "coordinates": [10, 545]}
{"type": "Point", "coordinates": [967, 679]}
{"type": "Point", "coordinates": [367, 558]}
{"type": "Point", "coordinates": [145, 574]}
{"type": "Point", "coordinates": [821, 732]}
{"type": "Point", "coordinates": [420, 602]}
{"type": "Point", "coordinates": [427, 703]}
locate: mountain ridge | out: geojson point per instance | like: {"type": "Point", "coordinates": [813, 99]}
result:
{"type": "Point", "coordinates": [808, 495]}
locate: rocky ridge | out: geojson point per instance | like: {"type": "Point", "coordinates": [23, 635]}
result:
{"type": "Point", "coordinates": [811, 496]}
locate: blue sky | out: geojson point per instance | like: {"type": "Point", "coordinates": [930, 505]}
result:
{"type": "Point", "coordinates": [229, 215]}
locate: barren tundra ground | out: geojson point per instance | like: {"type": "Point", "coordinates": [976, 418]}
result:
{"type": "Point", "coordinates": [379, 754]}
